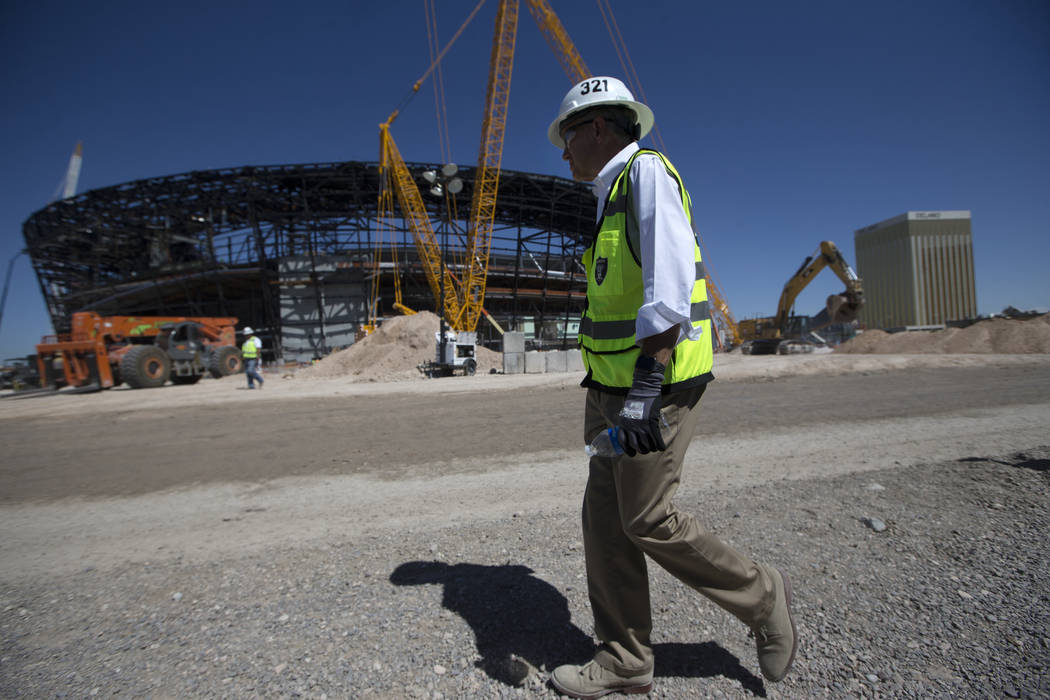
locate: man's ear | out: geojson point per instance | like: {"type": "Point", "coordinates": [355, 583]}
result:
{"type": "Point", "coordinates": [600, 126]}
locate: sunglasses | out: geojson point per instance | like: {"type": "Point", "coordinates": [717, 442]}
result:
{"type": "Point", "coordinates": [571, 132]}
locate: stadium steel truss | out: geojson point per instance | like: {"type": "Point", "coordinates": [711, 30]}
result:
{"type": "Point", "coordinates": [291, 250]}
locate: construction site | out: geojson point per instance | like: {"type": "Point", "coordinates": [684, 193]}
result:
{"type": "Point", "coordinates": [316, 257]}
{"type": "Point", "coordinates": [397, 513]}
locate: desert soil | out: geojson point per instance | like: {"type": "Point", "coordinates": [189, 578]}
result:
{"type": "Point", "coordinates": [136, 522]}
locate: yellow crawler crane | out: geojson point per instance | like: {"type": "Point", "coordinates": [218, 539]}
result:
{"type": "Point", "coordinates": [463, 299]}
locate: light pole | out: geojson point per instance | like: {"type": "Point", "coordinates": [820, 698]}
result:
{"type": "Point", "coordinates": [442, 184]}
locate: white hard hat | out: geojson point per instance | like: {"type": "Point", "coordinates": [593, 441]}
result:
{"type": "Point", "coordinates": [599, 91]}
{"type": "Point", "coordinates": [248, 330]}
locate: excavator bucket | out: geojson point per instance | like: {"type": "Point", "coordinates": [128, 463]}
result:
{"type": "Point", "coordinates": [838, 311]}
{"type": "Point", "coordinates": [843, 308]}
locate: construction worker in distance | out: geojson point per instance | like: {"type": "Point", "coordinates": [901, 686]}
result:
{"type": "Point", "coordinates": [646, 343]}
{"type": "Point", "coordinates": [250, 351]}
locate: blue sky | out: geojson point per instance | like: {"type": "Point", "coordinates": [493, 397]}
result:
{"type": "Point", "coordinates": [791, 123]}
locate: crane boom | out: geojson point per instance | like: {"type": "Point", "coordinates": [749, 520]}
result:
{"type": "Point", "coordinates": [73, 171]}
{"type": "Point", "coordinates": [720, 312]}
{"type": "Point", "coordinates": [486, 179]}
{"type": "Point", "coordinates": [392, 166]}
{"type": "Point", "coordinates": [559, 41]}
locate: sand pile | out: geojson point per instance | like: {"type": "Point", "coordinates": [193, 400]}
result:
{"type": "Point", "coordinates": [995, 335]}
{"type": "Point", "coordinates": [392, 353]}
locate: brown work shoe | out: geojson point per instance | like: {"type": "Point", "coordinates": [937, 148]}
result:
{"type": "Point", "coordinates": [593, 681]}
{"type": "Point", "coordinates": [776, 636]}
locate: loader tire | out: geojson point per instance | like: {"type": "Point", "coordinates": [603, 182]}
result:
{"type": "Point", "coordinates": [145, 366]}
{"type": "Point", "coordinates": [226, 360]}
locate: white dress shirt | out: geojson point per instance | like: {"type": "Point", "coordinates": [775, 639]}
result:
{"type": "Point", "coordinates": [666, 242]}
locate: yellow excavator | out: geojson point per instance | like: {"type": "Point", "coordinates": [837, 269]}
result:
{"type": "Point", "coordinates": [783, 333]}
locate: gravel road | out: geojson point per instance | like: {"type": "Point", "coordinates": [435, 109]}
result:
{"type": "Point", "coordinates": [461, 575]}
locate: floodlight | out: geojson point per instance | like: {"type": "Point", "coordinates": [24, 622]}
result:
{"type": "Point", "coordinates": [455, 185]}
{"type": "Point", "coordinates": [429, 175]}
{"type": "Point", "coordinates": [450, 169]}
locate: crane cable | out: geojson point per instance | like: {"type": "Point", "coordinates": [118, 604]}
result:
{"type": "Point", "coordinates": [635, 85]}
{"type": "Point", "coordinates": [435, 64]}
{"type": "Point", "coordinates": [437, 61]}
{"type": "Point", "coordinates": [440, 105]}
{"type": "Point", "coordinates": [625, 60]}
{"type": "Point", "coordinates": [440, 109]}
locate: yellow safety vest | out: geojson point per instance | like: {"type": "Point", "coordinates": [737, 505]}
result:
{"type": "Point", "coordinates": [615, 292]}
{"type": "Point", "coordinates": [249, 350]}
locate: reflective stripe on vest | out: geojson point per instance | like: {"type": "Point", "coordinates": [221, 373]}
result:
{"type": "Point", "coordinates": [249, 350]}
{"type": "Point", "coordinates": [615, 292]}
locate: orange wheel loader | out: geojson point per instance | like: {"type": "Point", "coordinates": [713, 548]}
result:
{"type": "Point", "coordinates": [140, 351]}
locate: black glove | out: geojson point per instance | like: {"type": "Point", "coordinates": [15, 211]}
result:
{"type": "Point", "coordinates": [640, 415]}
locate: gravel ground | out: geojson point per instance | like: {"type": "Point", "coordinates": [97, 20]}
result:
{"type": "Point", "coordinates": [951, 599]}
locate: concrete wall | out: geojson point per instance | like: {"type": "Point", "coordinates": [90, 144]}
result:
{"type": "Point", "coordinates": [517, 361]}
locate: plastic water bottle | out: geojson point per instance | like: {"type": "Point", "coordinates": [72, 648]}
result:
{"type": "Point", "coordinates": [607, 444]}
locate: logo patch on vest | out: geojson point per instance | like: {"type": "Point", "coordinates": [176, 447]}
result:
{"type": "Point", "coordinates": [601, 267]}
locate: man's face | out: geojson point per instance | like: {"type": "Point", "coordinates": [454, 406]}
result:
{"type": "Point", "coordinates": [581, 147]}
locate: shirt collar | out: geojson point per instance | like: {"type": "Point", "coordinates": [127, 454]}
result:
{"type": "Point", "coordinates": [608, 174]}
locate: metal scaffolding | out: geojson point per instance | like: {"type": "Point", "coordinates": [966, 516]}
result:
{"type": "Point", "coordinates": [270, 244]}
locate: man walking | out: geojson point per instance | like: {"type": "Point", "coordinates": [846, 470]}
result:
{"type": "Point", "coordinates": [646, 342]}
{"type": "Point", "coordinates": [250, 351]}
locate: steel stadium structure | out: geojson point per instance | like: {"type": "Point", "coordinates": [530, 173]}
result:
{"type": "Point", "coordinates": [292, 250]}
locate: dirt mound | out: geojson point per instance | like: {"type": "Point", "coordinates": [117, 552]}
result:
{"type": "Point", "coordinates": [392, 353]}
{"type": "Point", "coordinates": [995, 335]}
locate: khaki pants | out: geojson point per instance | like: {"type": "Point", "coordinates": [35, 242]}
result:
{"type": "Point", "coordinates": [628, 513]}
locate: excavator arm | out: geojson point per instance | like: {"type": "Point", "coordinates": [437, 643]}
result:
{"type": "Point", "coordinates": [840, 308]}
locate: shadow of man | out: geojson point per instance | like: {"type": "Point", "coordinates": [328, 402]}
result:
{"type": "Point", "coordinates": [520, 622]}
{"type": "Point", "coordinates": [522, 625]}
{"type": "Point", "coordinates": [704, 660]}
